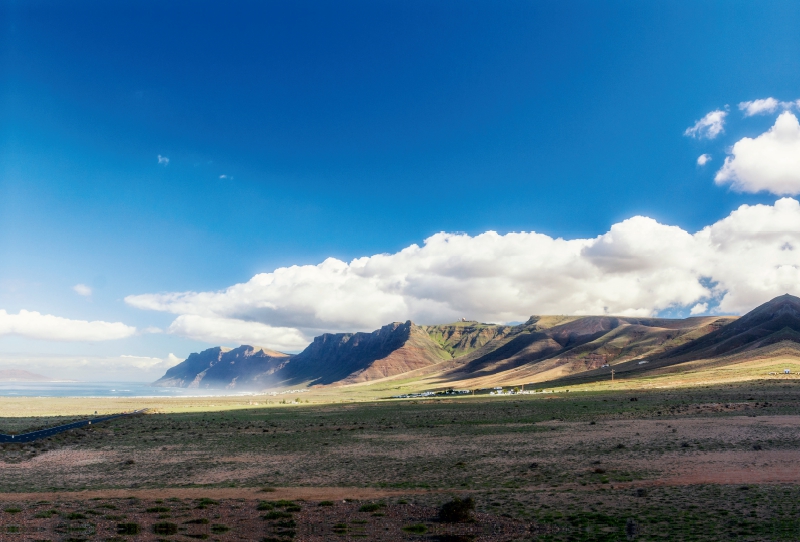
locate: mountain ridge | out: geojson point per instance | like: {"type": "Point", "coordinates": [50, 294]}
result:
{"type": "Point", "coordinates": [543, 348]}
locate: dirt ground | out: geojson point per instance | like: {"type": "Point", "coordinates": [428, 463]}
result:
{"type": "Point", "coordinates": [242, 519]}
{"type": "Point", "coordinates": [689, 464]}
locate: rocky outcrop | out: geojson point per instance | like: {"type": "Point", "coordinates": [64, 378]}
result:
{"type": "Point", "coordinates": [358, 357]}
{"type": "Point", "coordinates": [245, 367]}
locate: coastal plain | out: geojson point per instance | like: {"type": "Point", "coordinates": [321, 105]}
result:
{"type": "Point", "coordinates": [584, 464]}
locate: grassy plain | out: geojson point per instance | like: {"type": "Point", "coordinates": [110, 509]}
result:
{"type": "Point", "coordinates": [669, 457]}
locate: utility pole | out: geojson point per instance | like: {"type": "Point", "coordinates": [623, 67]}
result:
{"type": "Point", "coordinates": [612, 375]}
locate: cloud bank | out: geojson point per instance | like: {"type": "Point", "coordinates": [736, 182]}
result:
{"type": "Point", "coordinates": [638, 268]}
{"type": "Point", "coordinates": [34, 325]}
{"type": "Point", "coordinates": [234, 331]}
{"type": "Point", "coordinates": [770, 162]}
{"type": "Point", "coordinates": [125, 368]}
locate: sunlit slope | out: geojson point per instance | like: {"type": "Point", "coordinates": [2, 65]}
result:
{"type": "Point", "coordinates": [546, 348]}
{"type": "Point", "coordinates": [472, 354]}
{"type": "Point", "coordinates": [766, 336]}
{"type": "Point", "coordinates": [775, 321]}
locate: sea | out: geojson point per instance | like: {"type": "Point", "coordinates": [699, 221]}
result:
{"type": "Point", "coordinates": [101, 389]}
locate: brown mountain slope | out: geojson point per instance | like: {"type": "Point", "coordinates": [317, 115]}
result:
{"type": "Point", "coordinates": [533, 354]}
{"type": "Point", "coordinates": [345, 358]}
{"type": "Point", "coordinates": [768, 331]}
{"type": "Point", "coordinates": [775, 321]}
{"type": "Point", "coordinates": [543, 348]}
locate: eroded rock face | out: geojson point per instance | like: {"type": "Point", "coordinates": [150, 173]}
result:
{"type": "Point", "coordinates": [223, 368]}
{"type": "Point", "coordinates": [462, 338]}
{"type": "Point", "coordinates": [357, 357]}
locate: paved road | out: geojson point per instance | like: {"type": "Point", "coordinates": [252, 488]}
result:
{"type": "Point", "coordinates": [49, 432]}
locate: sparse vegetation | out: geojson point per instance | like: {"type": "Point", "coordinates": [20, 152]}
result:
{"type": "Point", "coordinates": [128, 529]}
{"type": "Point", "coordinates": [416, 528]}
{"type": "Point", "coordinates": [534, 458]}
{"type": "Point", "coordinates": [371, 507]}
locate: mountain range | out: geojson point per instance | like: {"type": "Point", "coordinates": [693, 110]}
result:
{"type": "Point", "coordinates": [473, 354]}
{"type": "Point", "coordinates": [21, 375]}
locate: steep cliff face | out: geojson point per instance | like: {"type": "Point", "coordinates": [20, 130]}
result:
{"type": "Point", "coordinates": [357, 357]}
{"type": "Point", "coordinates": [344, 358]}
{"type": "Point", "coordinates": [186, 372]}
{"type": "Point", "coordinates": [245, 367]}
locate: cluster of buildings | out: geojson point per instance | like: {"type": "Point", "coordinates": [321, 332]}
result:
{"type": "Point", "coordinates": [273, 393]}
{"type": "Point", "coordinates": [431, 394]}
{"type": "Point", "coordinates": [499, 390]}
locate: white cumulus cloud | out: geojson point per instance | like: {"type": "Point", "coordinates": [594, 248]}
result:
{"type": "Point", "coordinates": [758, 107]}
{"type": "Point", "coordinates": [770, 162]}
{"type": "Point", "coordinates": [163, 160]}
{"type": "Point", "coordinates": [703, 159]}
{"type": "Point", "coordinates": [700, 308]}
{"type": "Point", "coordinates": [709, 126]}
{"type": "Point", "coordinates": [765, 106]}
{"type": "Point", "coordinates": [148, 363]}
{"type": "Point", "coordinates": [35, 325]}
{"type": "Point", "coordinates": [82, 289]}
{"type": "Point", "coordinates": [638, 268]}
{"type": "Point", "coordinates": [234, 331]}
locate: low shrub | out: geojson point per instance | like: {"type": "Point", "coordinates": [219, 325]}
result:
{"type": "Point", "coordinates": [205, 503]}
{"type": "Point", "coordinates": [158, 509]}
{"type": "Point", "coordinates": [417, 528]}
{"type": "Point", "coordinates": [165, 528]}
{"type": "Point", "coordinates": [276, 514]}
{"type": "Point", "coordinates": [128, 528]}
{"type": "Point", "coordinates": [371, 507]}
{"type": "Point", "coordinates": [457, 510]}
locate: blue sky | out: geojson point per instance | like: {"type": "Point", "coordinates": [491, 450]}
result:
{"type": "Point", "coordinates": [299, 131]}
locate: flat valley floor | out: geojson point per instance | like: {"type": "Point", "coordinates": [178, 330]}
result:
{"type": "Point", "coordinates": [691, 463]}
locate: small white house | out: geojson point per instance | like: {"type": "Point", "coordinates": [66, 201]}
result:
{"type": "Point", "coordinates": [787, 372]}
